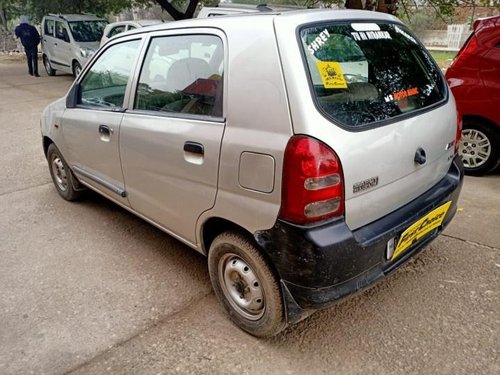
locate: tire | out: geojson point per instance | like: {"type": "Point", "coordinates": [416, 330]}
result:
{"type": "Point", "coordinates": [62, 177]}
{"type": "Point", "coordinates": [245, 285]}
{"type": "Point", "coordinates": [77, 68]}
{"type": "Point", "coordinates": [479, 147]}
{"type": "Point", "coordinates": [48, 68]}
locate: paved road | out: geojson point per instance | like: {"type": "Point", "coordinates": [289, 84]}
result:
{"type": "Point", "coordinates": [88, 288]}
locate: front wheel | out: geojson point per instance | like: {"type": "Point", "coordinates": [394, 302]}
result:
{"type": "Point", "coordinates": [77, 68]}
{"type": "Point", "coordinates": [245, 285]}
{"type": "Point", "coordinates": [62, 176]}
{"type": "Point", "coordinates": [479, 148]}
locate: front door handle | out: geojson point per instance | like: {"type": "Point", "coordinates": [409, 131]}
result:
{"type": "Point", "coordinates": [420, 157]}
{"type": "Point", "coordinates": [194, 147]}
{"type": "Point", "coordinates": [105, 130]}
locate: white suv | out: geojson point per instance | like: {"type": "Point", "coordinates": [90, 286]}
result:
{"type": "Point", "coordinates": [307, 154]}
{"type": "Point", "coordinates": [69, 40]}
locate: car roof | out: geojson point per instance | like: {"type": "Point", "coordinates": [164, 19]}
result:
{"type": "Point", "coordinates": [147, 22]}
{"type": "Point", "coordinates": [77, 17]}
{"type": "Point", "coordinates": [486, 23]}
{"type": "Point", "coordinates": [134, 22]}
{"type": "Point", "coordinates": [302, 16]}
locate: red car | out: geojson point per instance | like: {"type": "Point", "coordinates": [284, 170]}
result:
{"type": "Point", "coordinates": [474, 78]}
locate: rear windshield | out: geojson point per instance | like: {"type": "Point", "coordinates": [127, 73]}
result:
{"type": "Point", "coordinates": [87, 31]}
{"type": "Point", "coordinates": [363, 73]}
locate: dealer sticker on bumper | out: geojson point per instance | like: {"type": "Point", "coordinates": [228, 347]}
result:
{"type": "Point", "coordinates": [420, 228]}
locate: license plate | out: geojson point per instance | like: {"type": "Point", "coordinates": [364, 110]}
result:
{"type": "Point", "coordinates": [420, 228]}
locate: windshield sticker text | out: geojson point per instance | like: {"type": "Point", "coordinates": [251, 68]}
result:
{"type": "Point", "coordinates": [401, 94]}
{"type": "Point", "coordinates": [405, 34]}
{"type": "Point", "coordinates": [370, 35]}
{"type": "Point", "coordinates": [318, 41]}
{"type": "Point", "coordinates": [331, 75]}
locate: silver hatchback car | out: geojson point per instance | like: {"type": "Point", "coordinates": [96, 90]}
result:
{"type": "Point", "coordinates": [307, 154]}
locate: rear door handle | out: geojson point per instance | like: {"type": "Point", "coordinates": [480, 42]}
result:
{"type": "Point", "coordinates": [105, 130]}
{"type": "Point", "coordinates": [194, 147]}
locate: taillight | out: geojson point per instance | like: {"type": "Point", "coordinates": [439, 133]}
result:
{"type": "Point", "coordinates": [467, 50]}
{"type": "Point", "coordinates": [458, 136]}
{"type": "Point", "coordinates": [313, 183]}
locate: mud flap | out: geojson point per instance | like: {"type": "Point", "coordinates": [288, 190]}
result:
{"type": "Point", "coordinates": [293, 312]}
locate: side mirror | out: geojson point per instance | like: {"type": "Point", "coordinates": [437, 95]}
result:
{"type": "Point", "coordinates": [73, 96]}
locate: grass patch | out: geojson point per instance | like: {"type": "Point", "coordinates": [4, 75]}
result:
{"type": "Point", "coordinates": [443, 58]}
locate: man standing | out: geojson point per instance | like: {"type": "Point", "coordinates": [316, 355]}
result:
{"type": "Point", "coordinates": [30, 38]}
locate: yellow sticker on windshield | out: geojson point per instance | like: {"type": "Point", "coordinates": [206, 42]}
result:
{"type": "Point", "coordinates": [331, 75]}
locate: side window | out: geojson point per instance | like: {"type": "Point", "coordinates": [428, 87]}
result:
{"type": "Point", "coordinates": [105, 83]}
{"type": "Point", "coordinates": [49, 27]}
{"type": "Point", "coordinates": [182, 74]}
{"type": "Point", "coordinates": [116, 30]}
{"type": "Point", "coordinates": [61, 32]}
{"type": "Point", "coordinates": [131, 27]}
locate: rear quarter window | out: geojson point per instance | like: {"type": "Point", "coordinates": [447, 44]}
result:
{"type": "Point", "coordinates": [365, 73]}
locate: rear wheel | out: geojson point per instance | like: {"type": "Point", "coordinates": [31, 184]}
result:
{"type": "Point", "coordinates": [77, 68]}
{"type": "Point", "coordinates": [245, 285]}
{"type": "Point", "coordinates": [479, 147]}
{"type": "Point", "coordinates": [48, 68]}
{"type": "Point", "coordinates": [62, 176]}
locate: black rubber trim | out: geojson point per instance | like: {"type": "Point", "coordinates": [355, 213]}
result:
{"type": "Point", "coordinates": [115, 189]}
{"type": "Point", "coordinates": [58, 63]}
{"type": "Point", "coordinates": [321, 264]}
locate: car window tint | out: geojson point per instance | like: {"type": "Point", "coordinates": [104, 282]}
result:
{"type": "Point", "coordinates": [61, 32]}
{"type": "Point", "coordinates": [182, 74]}
{"type": "Point", "coordinates": [49, 27]}
{"type": "Point", "coordinates": [116, 30]}
{"type": "Point", "coordinates": [105, 83]}
{"type": "Point", "coordinates": [364, 73]}
{"type": "Point", "coordinates": [87, 31]}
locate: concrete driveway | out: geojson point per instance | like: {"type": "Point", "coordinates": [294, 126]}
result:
{"type": "Point", "coordinates": [88, 288]}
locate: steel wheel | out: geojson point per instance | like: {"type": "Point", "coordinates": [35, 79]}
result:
{"type": "Point", "coordinates": [475, 148]}
{"type": "Point", "coordinates": [59, 173]}
{"type": "Point", "coordinates": [241, 286]}
{"type": "Point", "coordinates": [66, 184]}
{"type": "Point", "coordinates": [246, 285]}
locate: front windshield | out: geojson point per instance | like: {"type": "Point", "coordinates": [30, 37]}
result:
{"type": "Point", "coordinates": [87, 31]}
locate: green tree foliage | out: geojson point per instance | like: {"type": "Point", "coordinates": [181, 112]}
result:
{"type": "Point", "coordinates": [182, 9]}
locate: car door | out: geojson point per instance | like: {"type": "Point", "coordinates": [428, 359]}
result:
{"type": "Point", "coordinates": [48, 39]}
{"type": "Point", "coordinates": [61, 47]}
{"type": "Point", "coordinates": [171, 137]}
{"type": "Point", "coordinates": [92, 129]}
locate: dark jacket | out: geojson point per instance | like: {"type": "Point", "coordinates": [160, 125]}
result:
{"type": "Point", "coordinates": [28, 34]}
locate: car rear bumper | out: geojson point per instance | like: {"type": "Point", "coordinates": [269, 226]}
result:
{"type": "Point", "coordinates": [319, 265]}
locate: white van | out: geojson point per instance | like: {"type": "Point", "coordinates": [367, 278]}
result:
{"type": "Point", "coordinates": [69, 40]}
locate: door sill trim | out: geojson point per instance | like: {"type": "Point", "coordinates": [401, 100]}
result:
{"type": "Point", "coordinates": [115, 189]}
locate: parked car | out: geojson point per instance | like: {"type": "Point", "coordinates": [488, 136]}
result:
{"type": "Point", "coordinates": [228, 9]}
{"type": "Point", "coordinates": [299, 194]}
{"type": "Point", "coordinates": [69, 40]}
{"type": "Point", "coordinates": [116, 28]}
{"type": "Point", "coordinates": [474, 78]}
